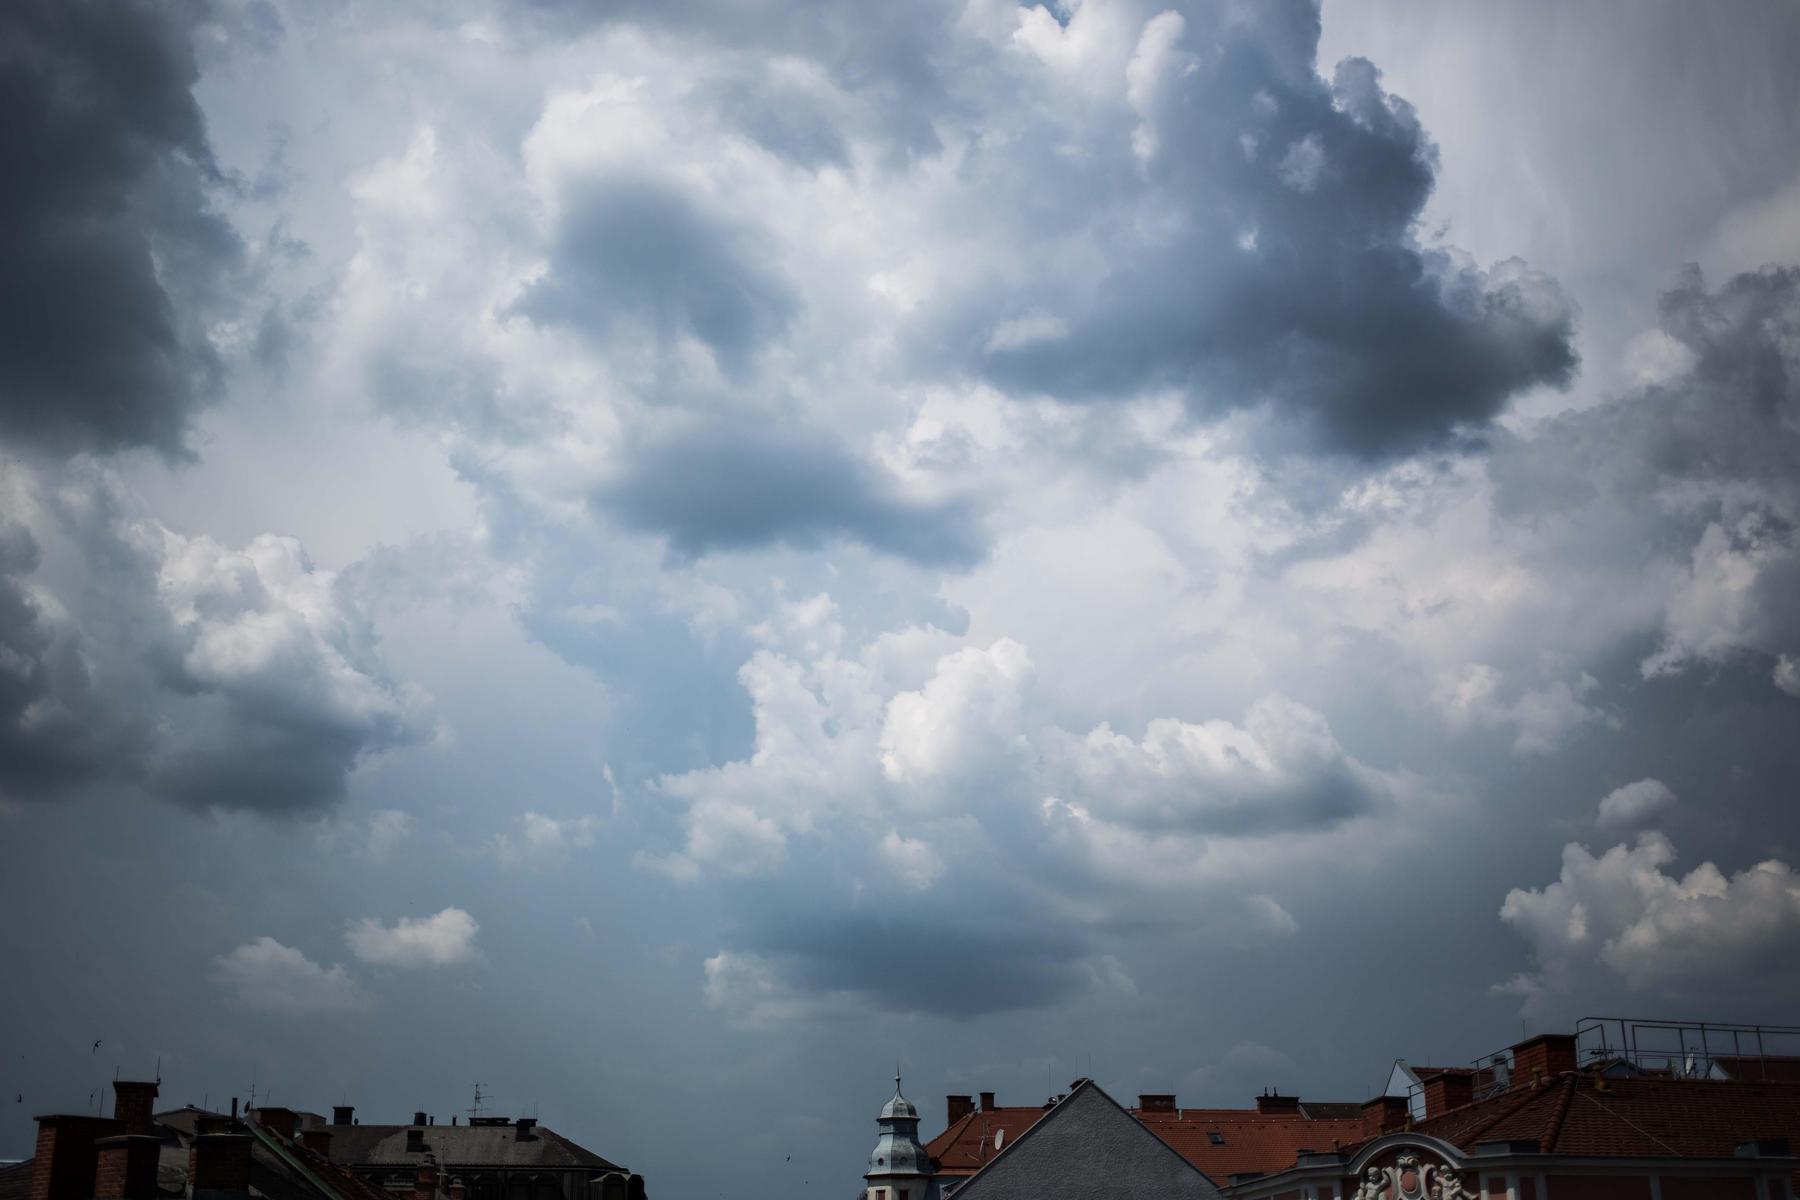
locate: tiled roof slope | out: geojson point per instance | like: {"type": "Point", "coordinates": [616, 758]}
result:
{"type": "Point", "coordinates": [1577, 1114]}
{"type": "Point", "coordinates": [1249, 1141]}
{"type": "Point", "coordinates": [968, 1144]}
{"type": "Point", "coordinates": [460, 1145]}
{"type": "Point", "coordinates": [1087, 1146]}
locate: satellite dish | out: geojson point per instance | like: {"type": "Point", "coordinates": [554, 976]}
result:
{"type": "Point", "coordinates": [999, 1136]}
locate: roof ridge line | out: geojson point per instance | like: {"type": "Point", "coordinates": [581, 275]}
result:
{"type": "Point", "coordinates": [1553, 1125]}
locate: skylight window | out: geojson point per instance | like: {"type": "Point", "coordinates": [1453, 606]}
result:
{"type": "Point", "coordinates": [1215, 1137]}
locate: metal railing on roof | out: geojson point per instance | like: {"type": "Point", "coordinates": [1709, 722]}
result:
{"type": "Point", "coordinates": [1688, 1049]}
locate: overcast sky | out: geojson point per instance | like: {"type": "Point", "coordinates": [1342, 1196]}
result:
{"type": "Point", "coordinates": [667, 557]}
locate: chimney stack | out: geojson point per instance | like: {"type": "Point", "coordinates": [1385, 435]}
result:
{"type": "Point", "coordinates": [958, 1107]}
{"type": "Point", "coordinates": [425, 1182]}
{"type": "Point", "coordinates": [317, 1140]}
{"type": "Point", "coordinates": [1159, 1102]}
{"type": "Point", "coordinates": [282, 1121]}
{"type": "Point", "coordinates": [1543, 1057]}
{"type": "Point", "coordinates": [342, 1113]}
{"type": "Point", "coordinates": [1447, 1090]}
{"type": "Point", "coordinates": [415, 1141]}
{"type": "Point", "coordinates": [63, 1167]}
{"type": "Point", "coordinates": [418, 1118]}
{"type": "Point", "coordinates": [133, 1101]}
{"type": "Point", "coordinates": [987, 1102]}
{"type": "Point", "coordinates": [220, 1163]}
{"type": "Point", "coordinates": [456, 1189]}
{"type": "Point", "coordinates": [1384, 1114]}
{"type": "Point", "coordinates": [1275, 1102]}
{"type": "Point", "coordinates": [525, 1129]}
{"type": "Point", "coordinates": [126, 1166]}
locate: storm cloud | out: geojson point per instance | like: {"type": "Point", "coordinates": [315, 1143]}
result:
{"type": "Point", "coordinates": [733, 486]}
{"type": "Point", "coordinates": [108, 237]}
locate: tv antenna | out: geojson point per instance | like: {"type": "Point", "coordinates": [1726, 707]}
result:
{"type": "Point", "coordinates": [474, 1110]}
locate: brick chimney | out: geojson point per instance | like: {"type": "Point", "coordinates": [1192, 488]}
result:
{"type": "Point", "coordinates": [456, 1189]}
{"type": "Point", "coordinates": [133, 1101]}
{"type": "Point", "coordinates": [1275, 1102]}
{"type": "Point", "coordinates": [220, 1162]}
{"type": "Point", "coordinates": [1383, 1114]}
{"type": "Point", "coordinates": [425, 1182]}
{"type": "Point", "coordinates": [957, 1107]}
{"type": "Point", "coordinates": [63, 1166]}
{"type": "Point", "coordinates": [1543, 1057]}
{"type": "Point", "coordinates": [126, 1166]}
{"type": "Point", "coordinates": [282, 1121]}
{"type": "Point", "coordinates": [317, 1140]}
{"type": "Point", "coordinates": [525, 1129]}
{"type": "Point", "coordinates": [1447, 1090]}
{"type": "Point", "coordinates": [1156, 1102]}
{"type": "Point", "coordinates": [987, 1102]}
{"type": "Point", "coordinates": [343, 1114]}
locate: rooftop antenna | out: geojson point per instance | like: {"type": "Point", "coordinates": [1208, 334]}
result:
{"type": "Point", "coordinates": [474, 1110]}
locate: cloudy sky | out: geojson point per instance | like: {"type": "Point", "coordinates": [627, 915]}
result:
{"type": "Point", "coordinates": [665, 557]}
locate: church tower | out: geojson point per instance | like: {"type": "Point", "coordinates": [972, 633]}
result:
{"type": "Point", "coordinates": [899, 1168]}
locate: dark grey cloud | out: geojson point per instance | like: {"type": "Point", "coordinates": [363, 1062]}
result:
{"type": "Point", "coordinates": [105, 226]}
{"type": "Point", "coordinates": [1699, 466]}
{"type": "Point", "coordinates": [1263, 256]}
{"type": "Point", "coordinates": [638, 251]}
{"type": "Point", "coordinates": [730, 485]}
{"type": "Point", "coordinates": [214, 678]}
{"type": "Point", "coordinates": [48, 734]}
{"type": "Point", "coordinates": [939, 964]}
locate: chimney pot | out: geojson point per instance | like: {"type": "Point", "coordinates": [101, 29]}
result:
{"type": "Point", "coordinates": [342, 1114]}
{"type": "Point", "coordinates": [987, 1102]}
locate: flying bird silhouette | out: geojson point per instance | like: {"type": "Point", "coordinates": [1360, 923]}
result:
{"type": "Point", "coordinates": [96, 1048]}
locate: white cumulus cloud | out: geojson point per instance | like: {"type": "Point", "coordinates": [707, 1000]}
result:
{"type": "Point", "coordinates": [269, 977]}
{"type": "Point", "coordinates": [443, 939]}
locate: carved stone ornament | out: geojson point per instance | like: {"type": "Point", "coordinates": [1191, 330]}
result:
{"type": "Point", "coordinates": [1408, 1179]}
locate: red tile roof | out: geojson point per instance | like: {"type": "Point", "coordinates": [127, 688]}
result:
{"type": "Point", "coordinates": [1249, 1140]}
{"type": "Point", "coordinates": [1578, 1114]}
{"type": "Point", "coordinates": [968, 1144]}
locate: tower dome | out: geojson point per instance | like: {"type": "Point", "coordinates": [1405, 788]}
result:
{"type": "Point", "coordinates": [899, 1168]}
